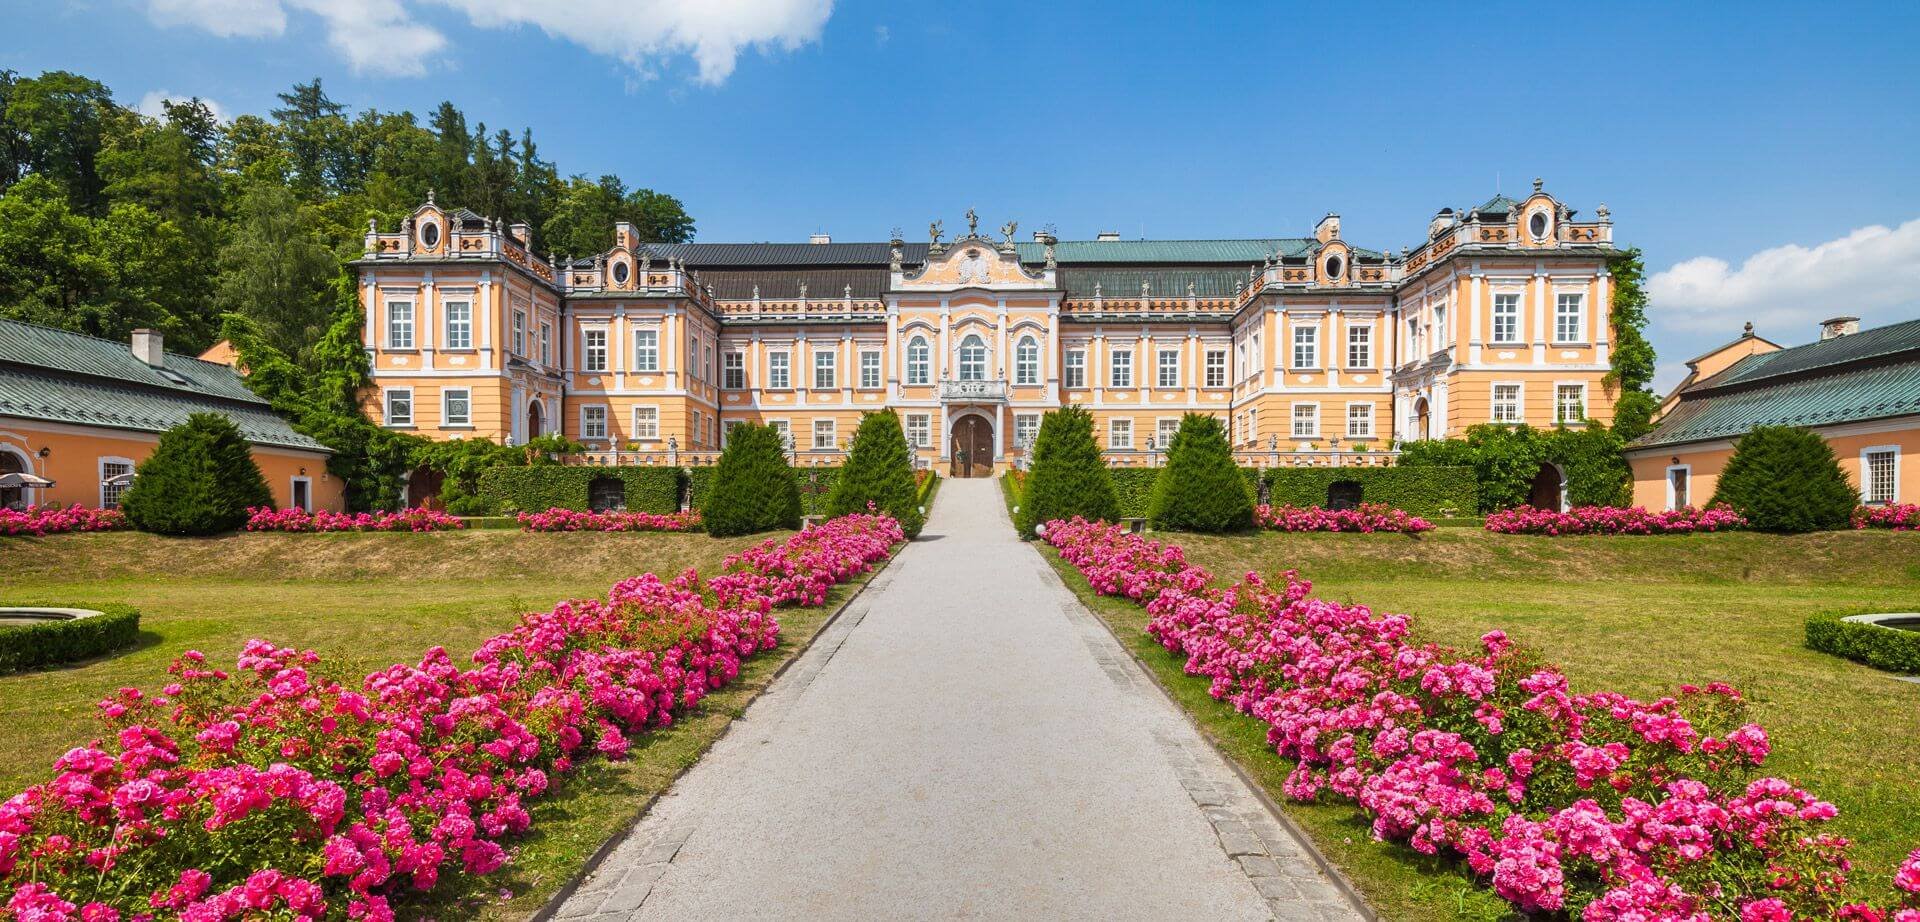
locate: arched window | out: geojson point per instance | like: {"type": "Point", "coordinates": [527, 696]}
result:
{"type": "Point", "coordinates": [973, 358]}
{"type": "Point", "coordinates": [919, 370]}
{"type": "Point", "coordinates": [1026, 361]}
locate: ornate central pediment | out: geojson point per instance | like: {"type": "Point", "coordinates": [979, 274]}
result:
{"type": "Point", "coordinates": [975, 261]}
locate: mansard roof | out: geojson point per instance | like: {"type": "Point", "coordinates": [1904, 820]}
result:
{"type": "Point", "coordinates": [823, 284]}
{"type": "Point", "coordinates": [1165, 281]}
{"type": "Point", "coordinates": [1234, 252]}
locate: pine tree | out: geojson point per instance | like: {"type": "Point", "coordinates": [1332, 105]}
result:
{"type": "Point", "coordinates": [879, 471]}
{"type": "Point", "coordinates": [753, 488]}
{"type": "Point", "coordinates": [199, 480]}
{"type": "Point", "coordinates": [1069, 477]}
{"type": "Point", "coordinates": [1200, 489]}
{"type": "Point", "coordinates": [1786, 479]}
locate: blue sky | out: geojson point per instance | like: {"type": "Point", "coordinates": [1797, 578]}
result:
{"type": "Point", "coordinates": [1765, 156]}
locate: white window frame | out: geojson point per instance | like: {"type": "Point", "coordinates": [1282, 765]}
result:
{"type": "Point", "coordinates": [1073, 371]}
{"type": "Point", "coordinates": [107, 502]}
{"type": "Point", "coordinates": [1306, 347]}
{"type": "Point", "coordinates": [870, 369]}
{"type": "Point", "coordinates": [1519, 402]}
{"type": "Point", "coordinates": [1559, 406]}
{"type": "Point", "coordinates": [520, 333]}
{"type": "Point", "coordinates": [733, 370]}
{"type": "Point", "coordinates": [1866, 471]}
{"type": "Point", "coordinates": [826, 369]}
{"type": "Point", "coordinates": [831, 431]}
{"type": "Point", "coordinates": [646, 350]}
{"type": "Point", "coordinates": [1312, 419]}
{"type": "Point", "coordinates": [1360, 345]}
{"type": "Point", "coordinates": [1166, 367]}
{"type": "Point", "coordinates": [1686, 469]}
{"type": "Point", "coordinates": [1027, 424]}
{"type": "Point", "coordinates": [1509, 299]}
{"type": "Point", "coordinates": [780, 369]}
{"type": "Point", "coordinates": [1026, 361]}
{"type": "Point", "coordinates": [460, 329]}
{"type": "Point", "coordinates": [920, 430]}
{"type": "Point", "coordinates": [546, 344]}
{"type": "Point", "coordinates": [447, 418]}
{"type": "Point", "coordinates": [293, 493]}
{"type": "Point", "coordinates": [386, 407]}
{"type": "Point", "coordinates": [400, 332]}
{"type": "Point", "coordinates": [973, 368]}
{"type": "Point", "coordinates": [1578, 333]}
{"type": "Point", "coordinates": [1352, 432]}
{"type": "Point", "coordinates": [785, 429]}
{"type": "Point", "coordinates": [1120, 368]}
{"type": "Point", "coordinates": [1163, 433]}
{"type": "Point", "coordinates": [1216, 368]}
{"type": "Point", "coordinates": [587, 415]}
{"type": "Point", "coordinates": [919, 361]}
{"type": "Point", "coordinates": [647, 428]}
{"type": "Point", "coordinates": [1120, 433]}
{"type": "Point", "coordinates": [593, 349]}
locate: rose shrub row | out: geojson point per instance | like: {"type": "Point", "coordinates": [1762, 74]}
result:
{"type": "Point", "coordinates": [266, 518]}
{"type": "Point", "coordinates": [1366, 517]}
{"type": "Point", "coordinates": [278, 790]}
{"type": "Point", "coordinates": [1897, 516]}
{"type": "Point", "coordinates": [1597, 805]}
{"type": "Point", "coordinates": [557, 519]}
{"type": "Point", "coordinates": [52, 520]}
{"type": "Point", "coordinates": [1613, 520]}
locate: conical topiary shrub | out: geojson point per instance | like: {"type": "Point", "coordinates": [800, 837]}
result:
{"type": "Point", "coordinates": [753, 488]}
{"type": "Point", "coordinates": [1786, 479]}
{"type": "Point", "coordinates": [879, 471]}
{"type": "Point", "coordinates": [1069, 477]}
{"type": "Point", "coordinates": [199, 480]}
{"type": "Point", "coordinates": [1200, 489]}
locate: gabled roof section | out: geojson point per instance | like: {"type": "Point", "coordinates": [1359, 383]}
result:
{"type": "Point", "coordinates": [1876, 343]}
{"type": "Point", "coordinates": [1499, 205]}
{"type": "Point", "coordinates": [77, 353]}
{"type": "Point", "coordinates": [1856, 395]}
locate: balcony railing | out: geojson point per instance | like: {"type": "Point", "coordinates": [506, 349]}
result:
{"type": "Point", "coordinates": [973, 390]}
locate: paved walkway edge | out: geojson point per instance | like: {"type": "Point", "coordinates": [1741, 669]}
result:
{"type": "Point", "coordinates": [1049, 560]}
{"type": "Point", "coordinates": [632, 822]}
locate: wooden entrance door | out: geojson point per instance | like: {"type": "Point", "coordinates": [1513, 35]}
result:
{"type": "Point", "coordinates": [972, 448]}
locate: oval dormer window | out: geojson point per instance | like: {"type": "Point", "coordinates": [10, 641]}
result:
{"type": "Point", "coordinates": [1335, 265]}
{"type": "Point", "coordinates": [1537, 225]}
{"type": "Point", "coordinates": [620, 273]}
{"type": "Point", "coordinates": [429, 235]}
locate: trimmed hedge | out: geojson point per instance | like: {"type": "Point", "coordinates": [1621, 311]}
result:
{"type": "Point", "coordinates": [879, 472]}
{"type": "Point", "coordinates": [552, 486]}
{"type": "Point", "coordinates": [57, 642]}
{"type": "Point", "coordinates": [1786, 479]}
{"type": "Point", "coordinates": [1134, 487]}
{"type": "Point", "coordinates": [1423, 491]}
{"type": "Point", "coordinates": [1880, 647]}
{"type": "Point", "coordinates": [1200, 489]}
{"type": "Point", "coordinates": [816, 484]}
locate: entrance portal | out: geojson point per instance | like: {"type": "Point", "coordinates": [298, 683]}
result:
{"type": "Point", "coordinates": [11, 497]}
{"type": "Point", "coordinates": [972, 447]}
{"type": "Point", "coordinates": [1548, 490]}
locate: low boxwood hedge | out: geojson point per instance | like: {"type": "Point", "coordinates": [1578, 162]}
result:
{"type": "Point", "coordinates": [1876, 646]}
{"type": "Point", "coordinates": [553, 486]}
{"type": "Point", "coordinates": [1423, 491]}
{"type": "Point", "coordinates": [57, 642]}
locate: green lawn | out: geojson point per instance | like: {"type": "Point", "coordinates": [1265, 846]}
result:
{"type": "Point", "coordinates": [1636, 614]}
{"type": "Point", "coordinates": [367, 599]}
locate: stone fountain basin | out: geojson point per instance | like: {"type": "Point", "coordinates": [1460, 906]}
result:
{"type": "Point", "coordinates": [1894, 620]}
{"type": "Point", "coordinates": [29, 616]}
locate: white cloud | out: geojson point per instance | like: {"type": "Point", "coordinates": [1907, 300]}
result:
{"type": "Point", "coordinates": [225, 18]}
{"type": "Point", "coordinates": [642, 32]}
{"type": "Point", "coordinates": [1787, 289]}
{"type": "Point", "coordinates": [150, 104]}
{"type": "Point", "coordinates": [376, 37]}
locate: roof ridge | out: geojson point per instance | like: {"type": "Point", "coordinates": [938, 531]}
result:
{"type": "Point", "coordinates": [112, 342]}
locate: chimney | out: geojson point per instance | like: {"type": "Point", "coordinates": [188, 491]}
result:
{"type": "Point", "coordinates": [1829, 329]}
{"type": "Point", "coordinates": [820, 239]}
{"type": "Point", "coordinates": [521, 232]}
{"type": "Point", "coordinates": [1328, 228]}
{"type": "Point", "coordinates": [149, 347]}
{"type": "Point", "coordinates": [1108, 236]}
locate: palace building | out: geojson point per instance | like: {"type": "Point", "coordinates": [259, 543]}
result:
{"type": "Point", "coordinates": [1305, 346]}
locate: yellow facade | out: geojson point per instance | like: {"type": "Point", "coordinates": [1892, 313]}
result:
{"type": "Point", "coordinates": [79, 459]}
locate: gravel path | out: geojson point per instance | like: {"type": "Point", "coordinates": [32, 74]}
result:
{"type": "Point", "coordinates": [965, 741]}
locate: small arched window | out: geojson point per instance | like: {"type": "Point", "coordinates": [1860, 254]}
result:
{"type": "Point", "coordinates": [973, 358]}
{"type": "Point", "coordinates": [1538, 224]}
{"type": "Point", "coordinates": [621, 273]}
{"type": "Point", "coordinates": [919, 368]}
{"type": "Point", "coordinates": [1026, 361]}
{"type": "Point", "coordinates": [430, 235]}
{"type": "Point", "coordinates": [1335, 266]}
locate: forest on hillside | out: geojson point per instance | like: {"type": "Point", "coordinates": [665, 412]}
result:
{"type": "Point", "coordinates": [111, 220]}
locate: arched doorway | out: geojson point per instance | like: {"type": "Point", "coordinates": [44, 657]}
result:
{"type": "Point", "coordinates": [1549, 488]}
{"type": "Point", "coordinates": [607, 494]}
{"type": "Point", "coordinates": [972, 447]}
{"type": "Point", "coordinates": [12, 463]}
{"type": "Point", "coordinates": [535, 426]}
{"type": "Point", "coordinates": [423, 488]}
{"type": "Point", "coordinates": [1344, 494]}
{"type": "Point", "coordinates": [1420, 420]}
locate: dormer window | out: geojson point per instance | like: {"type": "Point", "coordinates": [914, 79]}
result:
{"type": "Point", "coordinates": [429, 235]}
{"type": "Point", "coordinates": [1335, 265]}
{"type": "Point", "coordinates": [621, 273]}
{"type": "Point", "coordinates": [1538, 224]}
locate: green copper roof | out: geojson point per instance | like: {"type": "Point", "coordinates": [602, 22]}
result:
{"type": "Point", "coordinates": [1827, 353]}
{"type": "Point", "coordinates": [1124, 282]}
{"type": "Point", "coordinates": [46, 347]}
{"type": "Point", "coordinates": [1498, 205]}
{"type": "Point", "coordinates": [1712, 410]}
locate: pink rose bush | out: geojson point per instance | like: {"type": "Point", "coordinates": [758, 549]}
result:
{"type": "Point", "coordinates": [1613, 520]}
{"type": "Point", "coordinates": [282, 789]}
{"type": "Point", "coordinates": [558, 519]}
{"type": "Point", "coordinates": [1896, 516]}
{"type": "Point", "coordinates": [1595, 804]}
{"type": "Point", "coordinates": [40, 521]}
{"type": "Point", "coordinates": [1367, 517]}
{"type": "Point", "coordinates": [265, 518]}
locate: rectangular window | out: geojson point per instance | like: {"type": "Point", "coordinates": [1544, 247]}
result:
{"type": "Point", "coordinates": [920, 430]}
{"type": "Point", "coordinates": [1074, 375]}
{"type": "Point", "coordinates": [1306, 420]}
{"type": "Point", "coordinates": [823, 435]}
{"type": "Point", "coordinates": [546, 344]}
{"type": "Point", "coordinates": [519, 332]}
{"type": "Point", "coordinates": [459, 324]}
{"type": "Point", "coordinates": [706, 360]}
{"type": "Point", "coordinates": [593, 423]}
{"type": "Point", "coordinates": [733, 370]}
{"type": "Point", "coordinates": [399, 406]}
{"type": "Point", "coordinates": [595, 357]}
{"type": "Point", "coordinates": [1879, 476]}
{"type": "Point", "coordinates": [399, 324]}
{"type": "Point", "coordinates": [779, 370]}
{"type": "Point", "coordinates": [785, 429]}
{"type": "Point", "coordinates": [1122, 369]}
{"type": "Point", "coordinates": [110, 491]}
{"type": "Point", "coordinates": [1412, 348]}
{"type": "Point", "coordinates": [1216, 368]}
{"type": "Point", "coordinates": [1506, 403]}
{"type": "Point", "coordinates": [456, 406]}
{"type": "Point", "coordinates": [646, 423]}
{"type": "Point", "coordinates": [1442, 336]}
{"type": "Point", "coordinates": [1026, 428]}
{"type": "Point", "coordinates": [823, 370]}
{"type": "Point", "coordinates": [1306, 347]}
{"type": "Point", "coordinates": [1169, 368]}
{"type": "Point", "coordinates": [1359, 420]}
{"type": "Point", "coordinates": [1359, 347]}
{"type": "Point", "coordinates": [870, 369]}
{"type": "Point", "coordinates": [1506, 318]}
{"type": "Point", "coordinates": [1164, 431]}
{"type": "Point", "coordinates": [1120, 434]}
{"type": "Point", "coordinates": [699, 426]}
{"type": "Point", "coordinates": [1567, 319]}
{"type": "Point", "coordinates": [1679, 487]}
{"type": "Point", "coordinates": [1569, 403]}
{"type": "Point", "coordinates": [646, 350]}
